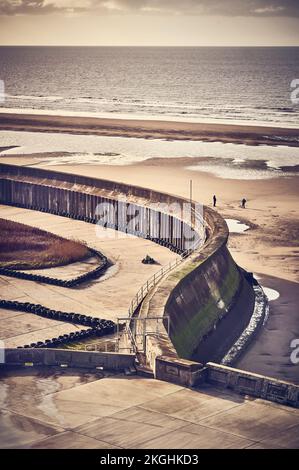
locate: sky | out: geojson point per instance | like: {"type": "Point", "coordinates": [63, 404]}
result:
{"type": "Point", "coordinates": [150, 22]}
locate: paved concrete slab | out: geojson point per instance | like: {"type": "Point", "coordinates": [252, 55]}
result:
{"type": "Point", "coordinates": [20, 328]}
{"type": "Point", "coordinates": [121, 433]}
{"type": "Point", "coordinates": [192, 406]}
{"type": "Point", "coordinates": [285, 438]}
{"type": "Point", "coordinates": [17, 431]}
{"type": "Point", "coordinates": [139, 414]}
{"type": "Point", "coordinates": [55, 408]}
{"type": "Point", "coordinates": [260, 445]}
{"type": "Point", "coordinates": [116, 393]}
{"type": "Point", "coordinates": [202, 439]}
{"type": "Point", "coordinates": [31, 394]}
{"type": "Point", "coordinates": [71, 440]}
{"type": "Point", "coordinates": [253, 419]}
{"type": "Point", "coordinates": [68, 271]}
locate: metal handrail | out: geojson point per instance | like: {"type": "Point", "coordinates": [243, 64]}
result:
{"type": "Point", "coordinates": [154, 279]}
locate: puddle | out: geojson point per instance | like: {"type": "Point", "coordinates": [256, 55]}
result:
{"type": "Point", "coordinates": [238, 172]}
{"type": "Point", "coordinates": [271, 294]}
{"type": "Point", "coordinates": [3, 394]}
{"type": "Point", "coordinates": [47, 387]}
{"type": "Point", "coordinates": [235, 226]}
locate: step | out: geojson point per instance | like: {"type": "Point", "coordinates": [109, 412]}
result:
{"type": "Point", "coordinates": [145, 371]}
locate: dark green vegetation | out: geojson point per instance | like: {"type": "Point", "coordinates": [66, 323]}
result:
{"type": "Point", "coordinates": [25, 247]}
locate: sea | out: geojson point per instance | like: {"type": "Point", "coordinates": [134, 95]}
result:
{"type": "Point", "coordinates": [254, 86]}
{"type": "Point", "coordinates": [250, 85]}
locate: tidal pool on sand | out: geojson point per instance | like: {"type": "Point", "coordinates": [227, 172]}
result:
{"type": "Point", "coordinates": [103, 150]}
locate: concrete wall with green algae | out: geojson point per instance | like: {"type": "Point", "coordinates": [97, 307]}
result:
{"type": "Point", "coordinates": [207, 298]}
{"type": "Point", "coordinates": [201, 299]}
{"type": "Point", "coordinates": [207, 290]}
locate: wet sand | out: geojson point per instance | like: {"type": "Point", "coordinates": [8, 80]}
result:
{"type": "Point", "coordinates": [239, 134]}
{"type": "Point", "coordinates": [270, 352]}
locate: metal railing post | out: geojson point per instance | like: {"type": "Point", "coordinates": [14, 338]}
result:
{"type": "Point", "coordinates": [145, 288]}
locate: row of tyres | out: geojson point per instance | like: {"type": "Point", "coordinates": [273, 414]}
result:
{"type": "Point", "coordinates": [91, 275]}
{"type": "Point", "coordinates": [166, 244]}
{"type": "Point", "coordinates": [98, 327]}
{"type": "Point", "coordinates": [65, 339]}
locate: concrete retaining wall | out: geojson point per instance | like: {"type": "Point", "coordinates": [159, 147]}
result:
{"type": "Point", "coordinates": [181, 372]}
{"type": "Point", "coordinates": [66, 198]}
{"type": "Point", "coordinates": [190, 374]}
{"type": "Point", "coordinates": [113, 187]}
{"type": "Point", "coordinates": [70, 358]}
{"type": "Point", "coordinates": [253, 384]}
{"type": "Point", "coordinates": [201, 297]}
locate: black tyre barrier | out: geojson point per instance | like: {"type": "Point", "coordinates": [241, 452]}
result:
{"type": "Point", "coordinates": [98, 326]}
{"type": "Point", "coordinates": [94, 274]}
{"type": "Point", "coordinates": [71, 337]}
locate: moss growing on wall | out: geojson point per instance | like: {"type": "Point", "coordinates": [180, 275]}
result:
{"type": "Point", "coordinates": [188, 334]}
{"type": "Point", "coordinates": [183, 271]}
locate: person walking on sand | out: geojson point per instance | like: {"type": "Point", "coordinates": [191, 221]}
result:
{"type": "Point", "coordinates": [243, 203]}
{"type": "Point", "coordinates": [214, 201]}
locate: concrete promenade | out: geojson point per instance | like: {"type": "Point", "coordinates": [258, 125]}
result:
{"type": "Point", "coordinates": [50, 408]}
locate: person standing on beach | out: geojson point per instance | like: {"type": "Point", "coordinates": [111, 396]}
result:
{"type": "Point", "coordinates": [243, 202]}
{"type": "Point", "coordinates": [214, 201]}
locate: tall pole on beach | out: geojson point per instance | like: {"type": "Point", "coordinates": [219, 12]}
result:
{"type": "Point", "coordinates": [191, 203]}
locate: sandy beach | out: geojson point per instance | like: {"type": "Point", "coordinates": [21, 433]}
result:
{"type": "Point", "coordinates": [151, 129]}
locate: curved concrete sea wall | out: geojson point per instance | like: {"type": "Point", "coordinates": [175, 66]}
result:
{"type": "Point", "coordinates": [95, 200]}
{"type": "Point", "coordinates": [206, 288]}
{"type": "Point", "coordinates": [197, 297]}
{"type": "Point", "coordinates": [202, 295]}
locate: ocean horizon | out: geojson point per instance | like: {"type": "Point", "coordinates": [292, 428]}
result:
{"type": "Point", "coordinates": [246, 85]}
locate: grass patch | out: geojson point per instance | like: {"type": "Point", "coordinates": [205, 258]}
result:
{"type": "Point", "coordinates": [25, 247]}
